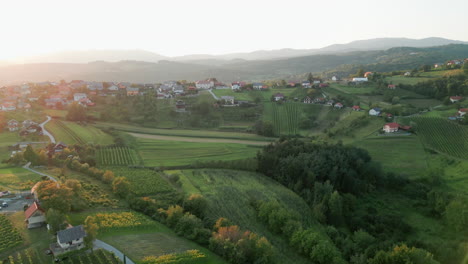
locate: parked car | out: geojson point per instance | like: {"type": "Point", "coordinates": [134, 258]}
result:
{"type": "Point", "coordinates": [4, 204]}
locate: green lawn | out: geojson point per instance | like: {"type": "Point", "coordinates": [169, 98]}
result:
{"type": "Point", "coordinates": [350, 89]}
{"type": "Point", "coordinates": [230, 193]}
{"type": "Point", "coordinates": [17, 179]}
{"type": "Point", "coordinates": [183, 132]}
{"type": "Point", "coordinates": [401, 154]}
{"type": "Point", "coordinates": [171, 153]}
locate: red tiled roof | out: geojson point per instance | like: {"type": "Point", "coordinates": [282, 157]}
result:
{"type": "Point", "coordinates": [393, 125]}
{"type": "Point", "coordinates": [463, 110]}
{"type": "Point", "coordinates": [356, 107]}
{"type": "Point", "coordinates": [456, 97]}
{"type": "Point", "coordinates": [31, 210]}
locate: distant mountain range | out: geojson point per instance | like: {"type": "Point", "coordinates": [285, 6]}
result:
{"type": "Point", "coordinates": [341, 64]}
{"type": "Point", "coordinates": [86, 56]}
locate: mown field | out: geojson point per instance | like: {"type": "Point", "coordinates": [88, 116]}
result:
{"type": "Point", "coordinates": [441, 135]}
{"type": "Point", "coordinates": [230, 193]}
{"type": "Point", "coordinates": [72, 133]}
{"type": "Point", "coordinates": [183, 132]}
{"type": "Point", "coordinates": [17, 179]}
{"type": "Point", "coordinates": [138, 236]}
{"type": "Point", "coordinates": [400, 154]}
{"type": "Point", "coordinates": [172, 153]}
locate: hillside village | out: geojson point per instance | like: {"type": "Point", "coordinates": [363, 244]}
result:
{"type": "Point", "coordinates": [115, 166]}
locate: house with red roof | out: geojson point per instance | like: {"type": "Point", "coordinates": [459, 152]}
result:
{"type": "Point", "coordinates": [455, 99]}
{"type": "Point", "coordinates": [356, 108]}
{"type": "Point", "coordinates": [8, 106]}
{"type": "Point", "coordinates": [367, 74]}
{"type": "Point", "coordinates": [13, 125]}
{"type": "Point", "coordinates": [391, 86]}
{"type": "Point", "coordinates": [391, 127]}
{"type": "Point", "coordinates": [338, 105]}
{"type": "Point", "coordinates": [206, 84]}
{"type": "Point", "coordinates": [34, 216]}
{"type": "Point", "coordinates": [279, 96]}
{"type": "Point", "coordinates": [462, 111]}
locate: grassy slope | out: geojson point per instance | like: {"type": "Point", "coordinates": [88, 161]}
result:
{"type": "Point", "coordinates": [229, 194]}
{"type": "Point", "coordinates": [183, 132]}
{"type": "Point", "coordinates": [79, 133]}
{"type": "Point", "coordinates": [170, 153]}
{"type": "Point", "coordinates": [17, 179]}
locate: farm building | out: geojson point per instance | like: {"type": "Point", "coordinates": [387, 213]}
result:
{"type": "Point", "coordinates": [356, 108]}
{"type": "Point", "coordinates": [34, 216]}
{"type": "Point", "coordinates": [338, 105]}
{"type": "Point", "coordinates": [12, 125]}
{"type": "Point", "coordinates": [391, 127]}
{"type": "Point", "coordinates": [360, 79]}
{"type": "Point", "coordinates": [375, 111]}
{"type": "Point", "coordinates": [278, 96]}
{"type": "Point", "coordinates": [391, 86]}
{"type": "Point", "coordinates": [462, 111]}
{"type": "Point", "coordinates": [455, 99]}
{"type": "Point", "coordinates": [68, 240]}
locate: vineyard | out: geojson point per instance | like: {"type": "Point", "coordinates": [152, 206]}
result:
{"type": "Point", "coordinates": [144, 181]}
{"type": "Point", "coordinates": [117, 156]}
{"type": "Point", "coordinates": [9, 236]}
{"type": "Point", "coordinates": [98, 256]}
{"type": "Point", "coordinates": [442, 135]}
{"type": "Point", "coordinates": [121, 220]}
{"type": "Point", "coordinates": [285, 117]}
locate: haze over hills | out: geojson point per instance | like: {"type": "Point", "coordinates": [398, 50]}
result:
{"type": "Point", "coordinates": [86, 56]}
{"type": "Point", "coordinates": [341, 64]}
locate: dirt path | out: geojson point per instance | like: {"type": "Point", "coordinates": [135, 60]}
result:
{"type": "Point", "coordinates": [200, 140]}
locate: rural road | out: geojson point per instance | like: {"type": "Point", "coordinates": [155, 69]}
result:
{"type": "Point", "coordinates": [201, 140]}
{"type": "Point", "coordinates": [37, 172]}
{"type": "Point", "coordinates": [214, 95]}
{"type": "Point", "coordinates": [45, 132]}
{"type": "Point", "coordinates": [100, 244]}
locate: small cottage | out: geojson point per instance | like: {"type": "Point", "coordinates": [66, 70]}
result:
{"type": "Point", "coordinates": [68, 240]}
{"type": "Point", "coordinates": [34, 216]}
{"type": "Point", "coordinates": [375, 111]}
{"type": "Point", "coordinates": [391, 127]}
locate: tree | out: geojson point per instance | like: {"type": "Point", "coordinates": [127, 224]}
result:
{"type": "Point", "coordinates": [121, 186]}
{"type": "Point", "coordinates": [53, 195]}
{"type": "Point", "coordinates": [55, 220]}
{"type": "Point", "coordinates": [108, 176]}
{"type": "Point", "coordinates": [426, 68]}
{"type": "Point", "coordinates": [456, 214]}
{"type": "Point", "coordinates": [465, 67]}
{"type": "Point", "coordinates": [76, 112]}
{"type": "Point", "coordinates": [403, 255]}
{"type": "Point", "coordinates": [91, 229]}
{"type": "Point", "coordinates": [196, 204]}
{"type": "Point", "coordinates": [360, 72]}
{"type": "Point", "coordinates": [283, 83]}
{"type": "Point", "coordinates": [30, 155]}
{"type": "Point", "coordinates": [310, 78]}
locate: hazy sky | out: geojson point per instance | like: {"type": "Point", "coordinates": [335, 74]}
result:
{"type": "Point", "coordinates": [178, 27]}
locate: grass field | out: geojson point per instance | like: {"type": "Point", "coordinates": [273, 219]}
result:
{"type": "Point", "coordinates": [139, 236]}
{"type": "Point", "coordinates": [354, 89]}
{"type": "Point", "coordinates": [242, 96]}
{"type": "Point", "coordinates": [72, 133]}
{"type": "Point", "coordinates": [441, 135]}
{"type": "Point", "coordinates": [117, 156]}
{"type": "Point", "coordinates": [400, 79]}
{"type": "Point", "coordinates": [229, 194]}
{"type": "Point", "coordinates": [184, 132]}
{"type": "Point", "coordinates": [171, 153]}
{"type": "Point", "coordinates": [401, 154]}
{"type": "Point", "coordinates": [17, 179]}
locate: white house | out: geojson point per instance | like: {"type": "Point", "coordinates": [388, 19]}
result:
{"type": "Point", "coordinates": [334, 78]}
{"type": "Point", "coordinates": [13, 125]}
{"type": "Point", "coordinates": [79, 96]}
{"type": "Point", "coordinates": [113, 88]}
{"type": "Point", "coordinates": [462, 111]}
{"type": "Point", "coordinates": [375, 111]}
{"type": "Point", "coordinates": [235, 86]}
{"type": "Point", "coordinates": [279, 96]}
{"type": "Point", "coordinates": [338, 105]}
{"type": "Point", "coordinates": [306, 84]}
{"type": "Point", "coordinates": [68, 240]}
{"type": "Point", "coordinates": [258, 86]}
{"type": "Point", "coordinates": [228, 99]}
{"type": "Point", "coordinates": [391, 127]}
{"type": "Point", "coordinates": [34, 216]}
{"type": "Point", "coordinates": [407, 73]}
{"type": "Point", "coordinates": [455, 99]}
{"type": "Point", "coordinates": [360, 79]}
{"type": "Point", "coordinates": [207, 84]}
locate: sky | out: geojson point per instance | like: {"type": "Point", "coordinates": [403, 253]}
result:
{"type": "Point", "coordinates": [180, 27]}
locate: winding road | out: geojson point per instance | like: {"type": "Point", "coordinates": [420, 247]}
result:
{"type": "Point", "coordinates": [45, 132]}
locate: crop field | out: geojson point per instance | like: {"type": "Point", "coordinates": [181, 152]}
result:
{"type": "Point", "coordinates": [144, 181]}
{"type": "Point", "coordinates": [400, 154]}
{"type": "Point", "coordinates": [172, 153]}
{"type": "Point", "coordinates": [350, 89]}
{"type": "Point", "coordinates": [17, 179]}
{"type": "Point", "coordinates": [116, 156]}
{"type": "Point", "coordinates": [422, 103]}
{"type": "Point", "coordinates": [442, 135]}
{"type": "Point", "coordinates": [7, 139]}
{"type": "Point", "coordinates": [72, 133]}
{"type": "Point", "coordinates": [9, 236]}
{"type": "Point", "coordinates": [285, 117]}
{"type": "Point", "coordinates": [229, 194]}
{"type": "Point", "coordinates": [400, 79]}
